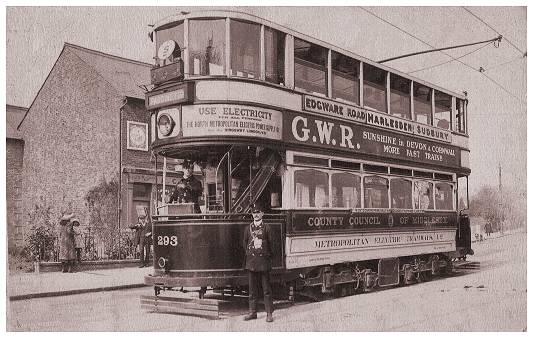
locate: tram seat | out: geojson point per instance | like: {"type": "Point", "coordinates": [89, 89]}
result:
{"type": "Point", "coordinates": [176, 209]}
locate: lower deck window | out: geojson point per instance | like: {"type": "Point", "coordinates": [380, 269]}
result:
{"type": "Point", "coordinates": [401, 193]}
{"type": "Point", "coordinates": [376, 192]}
{"type": "Point", "coordinates": [423, 195]}
{"type": "Point", "coordinates": [345, 190]}
{"type": "Point", "coordinates": [311, 188]}
{"type": "Point", "coordinates": [443, 196]}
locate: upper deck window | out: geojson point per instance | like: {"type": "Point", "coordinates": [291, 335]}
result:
{"type": "Point", "coordinates": [400, 96]}
{"type": "Point", "coordinates": [345, 77]}
{"type": "Point", "coordinates": [207, 40]}
{"type": "Point", "coordinates": [245, 49]}
{"type": "Point", "coordinates": [274, 56]}
{"type": "Point", "coordinates": [174, 33]}
{"type": "Point", "coordinates": [422, 103]}
{"type": "Point", "coordinates": [443, 110]}
{"type": "Point", "coordinates": [460, 116]}
{"type": "Point", "coordinates": [375, 88]}
{"type": "Point", "coordinates": [310, 67]}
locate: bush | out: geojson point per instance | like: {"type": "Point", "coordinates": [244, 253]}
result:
{"type": "Point", "coordinates": [41, 238]}
{"type": "Point", "coordinates": [20, 261]}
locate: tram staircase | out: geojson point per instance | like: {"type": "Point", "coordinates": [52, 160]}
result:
{"type": "Point", "coordinates": [257, 184]}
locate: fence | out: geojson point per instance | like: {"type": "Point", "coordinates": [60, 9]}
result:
{"type": "Point", "coordinates": [91, 247]}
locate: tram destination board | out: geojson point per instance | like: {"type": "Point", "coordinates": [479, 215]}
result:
{"type": "Point", "coordinates": [333, 134]}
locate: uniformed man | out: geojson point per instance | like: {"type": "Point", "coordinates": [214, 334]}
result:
{"type": "Point", "coordinates": [143, 236]}
{"type": "Point", "coordinates": [189, 188]}
{"type": "Point", "coordinates": [258, 261]}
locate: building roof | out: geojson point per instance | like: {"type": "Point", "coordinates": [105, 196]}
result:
{"type": "Point", "coordinates": [14, 114]}
{"type": "Point", "coordinates": [123, 74]}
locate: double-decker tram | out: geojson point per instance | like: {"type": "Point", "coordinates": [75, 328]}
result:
{"type": "Point", "coordinates": [363, 170]}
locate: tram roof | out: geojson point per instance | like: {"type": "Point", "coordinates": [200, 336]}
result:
{"type": "Point", "coordinates": [253, 18]}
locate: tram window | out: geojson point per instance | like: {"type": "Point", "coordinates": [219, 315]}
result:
{"type": "Point", "coordinates": [443, 177]}
{"type": "Point", "coordinates": [311, 188]}
{"type": "Point", "coordinates": [400, 96]}
{"type": "Point", "coordinates": [345, 190]}
{"type": "Point", "coordinates": [207, 40]}
{"type": "Point", "coordinates": [401, 171]}
{"type": "Point", "coordinates": [174, 33]}
{"type": "Point", "coordinates": [460, 116]}
{"type": "Point", "coordinates": [425, 174]}
{"type": "Point", "coordinates": [322, 162]}
{"type": "Point", "coordinates": [374, 88]}
{"type": "Point", "coordinates": [376, 192]}
{"type": "Point", "coordinates": [401, 192]}
{"type": "Point", "coordinates": [443, 110]}
{"type": "Point", "coordinates": [443, 196]}
{"type": "Point", "coordinates": [310, 67]}
{"type": "Point", "coordinates": [345, 77]}
{"type": "Point", "coordinates": [274, 56]}
{"type": "Point", "coordinates": [245, 42]}
{"type": "Point", "coordinates": [423, 195]}
{"type": "Point", "coordinates": [376, 168]}
{"type": "Point", "coordinates": [422, 103]}
{"type": "Point", "coordinates": [345, 165]}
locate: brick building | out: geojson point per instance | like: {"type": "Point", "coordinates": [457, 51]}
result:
{"type": "Point", "coordinates": [88, 123]}
{"type": "Point", "coordinates": [14, 157]}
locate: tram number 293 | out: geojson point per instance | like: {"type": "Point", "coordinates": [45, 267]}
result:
{"type": "Point", "coordinates": [167, 240]}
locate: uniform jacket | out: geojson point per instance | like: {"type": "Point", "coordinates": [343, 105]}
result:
{"type": "Point", "coordinates": [257, 243]}
{"type": "Point", "coordinates": [66, 242]}
{"type": "Point", "coordinates": [188, 190]}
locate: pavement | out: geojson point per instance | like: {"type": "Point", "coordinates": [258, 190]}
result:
{"type": "Point", "coordinates": [51, 284]}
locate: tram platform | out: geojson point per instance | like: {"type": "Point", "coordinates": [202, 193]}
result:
{"type": "Point", "coordinates": [31, 285]}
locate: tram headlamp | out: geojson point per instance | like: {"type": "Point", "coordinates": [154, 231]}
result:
{"type": "Point", "coordinates": [162, 262]}
{"type": "Point", "coordinates": [166, 124]}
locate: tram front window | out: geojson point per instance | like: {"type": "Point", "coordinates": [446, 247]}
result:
{"type": "Point", "coordinates": [245, 46]}
{"type": "Point", "coordinates": [173, 33]}
{"type": "Point", "coordinates": [207, 39]}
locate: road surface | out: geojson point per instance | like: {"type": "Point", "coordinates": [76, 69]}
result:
{"type": "Point", "coordinates": [490, 299]}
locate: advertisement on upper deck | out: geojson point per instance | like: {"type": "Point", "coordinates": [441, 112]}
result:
{"type": "Point", "coordinates": [231, 120]}
{"type": "Point", "coordinates": [333, 134]}
{"type": "Point", "coordinates": [353, 113]}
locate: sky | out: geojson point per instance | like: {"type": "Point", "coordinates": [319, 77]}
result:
{"type": "Point", "coordinates": [497, 97]}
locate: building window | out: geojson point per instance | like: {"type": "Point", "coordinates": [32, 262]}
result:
{"type": "Point", "coordinates": [274, 56]}
{"type": "Point", "coordinates": [345, 190]}
{"type": "Point", "coordinates": [443, 110]}
{"type": "Point", "coordinates": [422, 103]}
{"type": "Point", "coordinates": [400, 96]}
{"type": "Point", "coordinates": [137, 136]}
{"type": "Point", "coordinates": [345, 77]}
{"type": "Point", "coordinates": [311, 188]}
{"type": "Point", "coordinates": [376, 192]}
{"type": "Point", "coordinates": [207, 41]}
{"type": "Point", "coordinates": [423, 195]}
{"type": "Point", "coordinates": [460, 116]}
{"type": "Point", "coordinates": [310, 67]}
{"type": "Point", "coordinates": [401, 192]}
{"type": "Point", "coordinates": [245, 45]}
{"type": "Point", "coordinates": [174, 33]}
{"type": "Point", "coordinates": [375, 88]}
{"type": "Point", "coordinates": [443, 196]}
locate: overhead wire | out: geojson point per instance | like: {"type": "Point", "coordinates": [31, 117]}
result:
{"type": "Point", "coordinates": [486, 24]}
{"type": "Point", "coordinates": [477, 70]}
